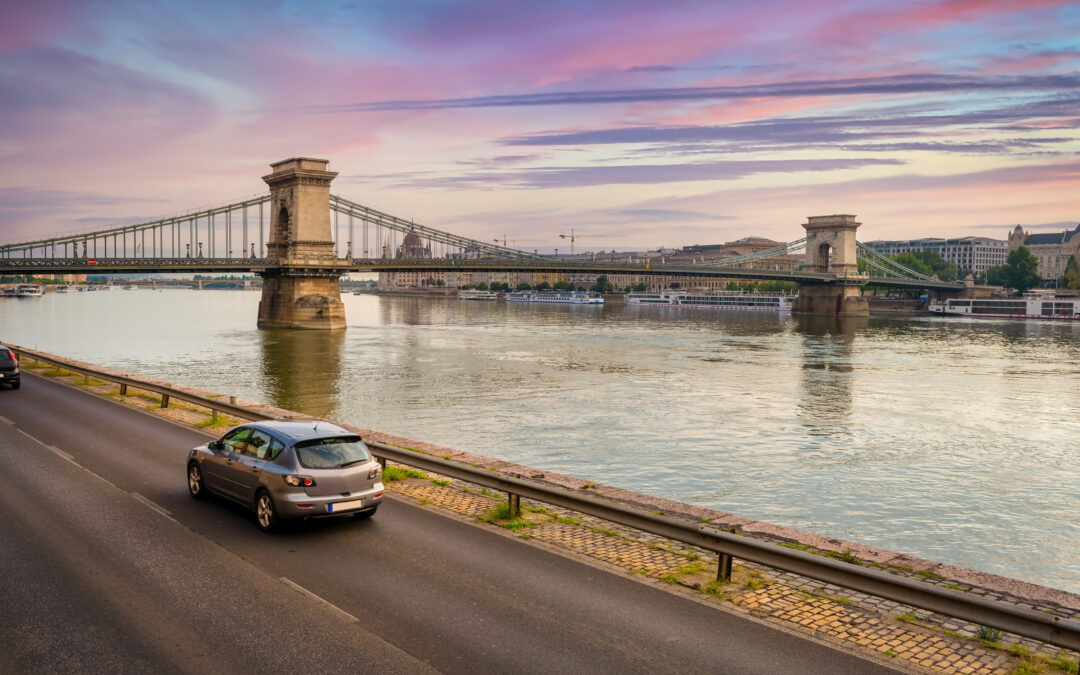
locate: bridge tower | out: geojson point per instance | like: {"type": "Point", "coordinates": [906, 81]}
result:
{"type": "Point", "coordinates": [303, 291]}
{"type": "Point", "coordinates": [837, 254]}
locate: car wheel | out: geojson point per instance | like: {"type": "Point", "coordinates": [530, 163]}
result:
{"type": "Point", "coordinates": [265, 513]}
{"type": "Point", "coordinates": [195, 483]}
{"type": "Point", "coordinates": [364, 515]}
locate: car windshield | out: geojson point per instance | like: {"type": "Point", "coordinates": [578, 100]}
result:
{"type": "Point", "coordinates": [5, 355]}
{"type": "Point", "coordinates": [332, 453]}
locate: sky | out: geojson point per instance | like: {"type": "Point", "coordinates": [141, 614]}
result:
{"type": "Point", "coordinates": [637, 124]}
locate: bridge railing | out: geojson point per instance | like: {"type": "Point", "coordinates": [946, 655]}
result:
{"type": "Point", "coordinates": [923, 594]}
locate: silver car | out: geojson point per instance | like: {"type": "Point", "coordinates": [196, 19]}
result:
{"type": "Point", "coordinates": [289, 469]}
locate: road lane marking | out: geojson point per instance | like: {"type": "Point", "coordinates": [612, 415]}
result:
{"type": "Point", "coordinates": [6, 420]}
{"type": "Point", "coordinates": [337, 610]}
{"type": "Point", "coordinates": [68, 457]}
{"type": "Point", "coordinates": [153, 506]}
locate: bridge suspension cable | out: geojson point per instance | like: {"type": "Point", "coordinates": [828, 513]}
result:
{"type": "Point", "coordinates": [345, 207]}
{"type": "Point", "coordinates": [888, 267]}
{"type": "Point", "coordinates": [167, 237]}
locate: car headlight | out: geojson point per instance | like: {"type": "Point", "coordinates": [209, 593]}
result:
{"type": "Point", "coordinates": [374, 473]}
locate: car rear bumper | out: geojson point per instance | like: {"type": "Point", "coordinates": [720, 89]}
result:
{"type": "Point", "coordinates": [299, 505]}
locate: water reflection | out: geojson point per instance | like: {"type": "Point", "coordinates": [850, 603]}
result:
{"type": "Point", "coordinates": [826, 400]}
{"type": "Point", "coordinates": [301, 369]}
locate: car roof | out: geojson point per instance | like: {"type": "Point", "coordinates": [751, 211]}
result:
{"type": "Point", "coordinates": [302, 430]}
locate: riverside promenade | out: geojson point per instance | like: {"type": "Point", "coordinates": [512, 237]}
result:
{"type": "Point", "coordinates": [900, 635]}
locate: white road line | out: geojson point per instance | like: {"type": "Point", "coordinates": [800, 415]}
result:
{"type": "Point", "coordinates": [6, 420]}
{"type": "Point", "coordinates": [68, 457]}
{"type": "Point", "coordinates": [339, 611]}
{"type": "Point", "coordinates": [152, 505]}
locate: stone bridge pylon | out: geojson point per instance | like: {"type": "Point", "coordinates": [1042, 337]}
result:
{"type": "Point", "coordinates": [300, 292]}
{"type": "Point", "coordinates": [831, 247]}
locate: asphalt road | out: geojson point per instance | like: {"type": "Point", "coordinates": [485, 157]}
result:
{"type": "Point", "coordinates": [107, 565]}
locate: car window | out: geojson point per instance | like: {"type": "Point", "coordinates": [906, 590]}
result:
{"type": "Point", "coordinates": [258, 444]}
{"type": "Point", "coordinates": [5, 355]}
{"type": "Point", "coordinates": [235, 439]}
{"type": "Point", "coordinates": [276, 447]}
{"type": "Point", "coordinates": [331, 453]}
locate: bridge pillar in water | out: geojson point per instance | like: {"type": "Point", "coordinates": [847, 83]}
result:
{"type": "Point", "coordinates": [836, 254]}
{"type": "Point", "coordinates": [299, 292]}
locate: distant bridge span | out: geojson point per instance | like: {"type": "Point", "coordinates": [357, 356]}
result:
{"type": "Point", "coordinates": [304, 254]}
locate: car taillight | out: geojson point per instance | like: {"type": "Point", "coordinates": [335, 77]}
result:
{"type": "Point", "coordinates": [297, 481]}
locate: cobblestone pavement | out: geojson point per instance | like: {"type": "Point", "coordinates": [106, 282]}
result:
{"type": "Point", "coordinates": [917, 639]}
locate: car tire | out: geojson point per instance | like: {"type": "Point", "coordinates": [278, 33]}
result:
{"type": "Point", "coordinates": [195, 483]}
{"type": "Point", "coordinates": [266, 516]}
{"type": "Point", "coordinates": [364, 515]}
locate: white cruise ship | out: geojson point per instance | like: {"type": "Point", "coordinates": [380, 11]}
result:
{"type": "Point", "coordinates": [1034, 305]}
{"type": "Point", "coordinates": [28, 291]}
{"type": "Point", "coordinates": [775, 302]}
{"type": "Point", "coordinates": [473, 294]}
{"type": "Point", "coordinates": [556, 297]}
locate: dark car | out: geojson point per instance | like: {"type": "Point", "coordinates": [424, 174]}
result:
{"type": "Point", "coordinates": [9, 368]}
{"type": "Point", "coordinates": [289, 469]}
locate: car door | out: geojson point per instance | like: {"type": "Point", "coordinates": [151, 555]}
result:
{"type": "Point", "coordinates": [251, 464]}
{"type": "Point", "coordinates": [218, 464]}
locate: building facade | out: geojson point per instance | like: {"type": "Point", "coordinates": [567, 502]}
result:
{"type": "Point", "coordinates": [1051, 250]}
{"type": "Point", "coordinates": [969, 254]}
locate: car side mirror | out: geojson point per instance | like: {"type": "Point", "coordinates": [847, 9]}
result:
{"type": "Point", "coordinates": [215, 445]}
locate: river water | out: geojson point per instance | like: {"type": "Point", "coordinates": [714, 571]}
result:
{"type": "Point", "coordinates": [951, 439]}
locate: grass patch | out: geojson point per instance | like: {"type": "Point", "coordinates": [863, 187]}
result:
{"type": "Point", "coordinates": [900, 568]}
{"type": "Point", "coordinates": [392, 473]}
{"type": "Point", "coordinates": [713, 589]}
{"type": "Point", "coordinates": [466, 490]}
{"type": "Point", "coordinates": [567, 520]}
{"type": "Point", "coordinates": [425, 501]}
{"type": "Point", "coordinates": [927, 574]}
{"type": "Point", "coordinates": [1067, 665]}
{"type": "Point", "coordinates": [955, 587]}
{"type": "Point", "coordinates": [953, 633]}
{"type": "Point", "coordinates": [442, 483]}
{"type": "Point", "coordinates": [689, 556]}
{"type": "Point", "coordinates": [211, 423]}
{"type": "Point", "coordinates": [405, 447]}
{"type": "Point", "coordinates": [754, 580]}
{"type": "Point", "coordinates": [641, 571]}
{"type": "Point", "coordinates": [670, 579]}
{"type": "Point", "coordinates": [502, 516]}
{"type": "Point", "coordinates": [839, 599]}
{"type": "Point", "coordinates": [797, 547]}
{"type": "Point", "coordinates": [588, 486]}
{"type": "Point", "coordinates": [1019, 650]}
{"type": "Point", "coordinates": [605, 532]}
{"type": "Point", "coordinates": [847, 556]}
{"type": "Point", "coordinates": [889, 652]}
{"type": "Point", "coordinates": [56, 372]}
{"type": "Point", "coordinates": [908, 617]}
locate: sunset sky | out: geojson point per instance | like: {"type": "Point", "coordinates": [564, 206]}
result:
{"type": "Point", "coordinates": [637, 123]}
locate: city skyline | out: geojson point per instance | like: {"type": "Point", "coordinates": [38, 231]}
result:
{"type": "Point", "coordinates": [637, 125]}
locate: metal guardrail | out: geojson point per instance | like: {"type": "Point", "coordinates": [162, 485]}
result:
{"type": "Point", "coordinates": [924, 595]}
{"type": "Point", "coordinates": [165, 392]}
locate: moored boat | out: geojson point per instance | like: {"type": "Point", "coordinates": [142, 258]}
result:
{"type": "Point", "coordinates": [776, 302]}
{"type": "Point", "coordinates": [28, 291]}
{"type": "Point", "coordinates": [1033, 305]}
{"type": "Point", "coordinates": [556, 297]}
{"type": "Point", "coordinates": [472, 294]}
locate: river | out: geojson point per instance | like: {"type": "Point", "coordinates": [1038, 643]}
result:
{"type": "Point", "coordinates": [955, 440]}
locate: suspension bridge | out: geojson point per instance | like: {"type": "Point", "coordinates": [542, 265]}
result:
{"type": "Point", "coordinates": [301, 239]}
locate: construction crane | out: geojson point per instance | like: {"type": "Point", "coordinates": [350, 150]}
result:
{"type": "Point", "coordinates": [572, 237]}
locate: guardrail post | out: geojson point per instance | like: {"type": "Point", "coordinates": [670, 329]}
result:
{"type": "Point", "coordinates": [213, 415]}
{"type": "Point", "coordinates": [123, 390]}
{"type": "Point", "coordinates": [382, 462]}
{"type": "Point", "coordinates": [514, 501]}
{"type": "Point", "coordinates": [723, 567]}
{"type": "Point", "coordinates": [164, 400]}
